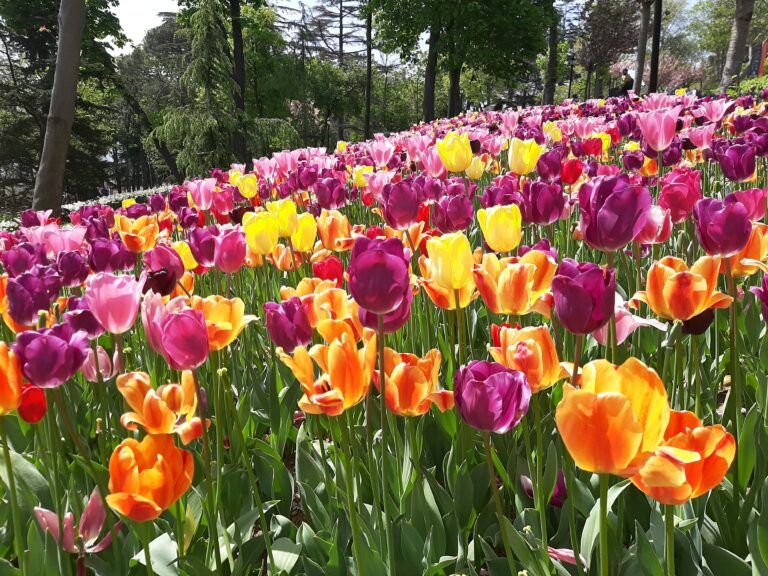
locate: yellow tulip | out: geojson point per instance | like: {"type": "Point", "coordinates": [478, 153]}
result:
{"type": "Point", "coordinates": [451, 256]}
{"type": "Point", "coordinates": [523, 155]}
{"type": "Point", "coordinates": [358, 176]}
{"type": "Point", "coordinates": [235, 176]}
{"type": "Point", "coordinates": [552, 130]}
{"type": "Point", "coordinates": [248, 185]}
{"type": "Point", "coordinates": [501, 226]}
{"type": "Point", "coordinates": [185, 253]}
{"type": "Point", "coordinates": [341, 147]}
{"type": "Point", "coordinates": [285, 211]}
{"type": "Point", "coordinates": [476, 168]}
{"type": "Point", "coordinates": [303, 238]}
{"type": "Point", "coordinates": [261, 231]}
{"type": "Point", "coordinates": [128, 202]}
{"type": "Point", "coordinates": [455, 151]}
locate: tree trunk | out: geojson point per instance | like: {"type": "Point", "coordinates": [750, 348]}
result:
{"type": "Point", "coordinates": [454, 91]}
{"type": "Point", "coordinates": [599, 79]}
{"type": "Point", "coordinates": [430, 75]}
{"type": "Point", "coordinates": [737, 43]}
{"type": "Point", "coordinates": [238, 75]}
{"type": "Point", "coordinates": [49, 182]}
{"type": "Point", "coordinates": [653, 80]}
{"type": "Point", "coordinates": [642, 43]}
{"type": "Point", "coordinates": [368, 73]}
{"type": "Point", "coordinates": [588, 83]}
{"type": "Point", "coordinates": [551, 76]}
{"type": "Point", "coordinates": [341, 60]}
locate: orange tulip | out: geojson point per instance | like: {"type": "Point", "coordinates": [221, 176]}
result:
{"type": "Point", "coordinates": [531, 351]}
{"type": "Point", "coordinates": [516, 286]}
{"type": "Point", "coordinates": [306, 287]}
{"type": "Point", "coordinates": [346, 374]}
{"type": "Point", "coordinates": [333, 312]}
{"type": "Point", "coordinates": [615, 419]}
{"type": "Point", "coordinates": [443, 297]}
{"type": "Point", "coordinates": [334, 231]}
{"type": "Point", "coordinates": [750, 259]}
{"type": "Point", "coordinates": [677, 293]}
{"type": "Point", "coordinates": [412, 383]}
{"type": "Point", "coordinates": [10, 380]}
{"type": "Point", "coordinates": [691, 461]}
{"type": "Point", "coordinates": [138, 235]}
{"type": "Point", "coordinates": [224, 318]}
{"type": "Point", "coordinates": [168, 410]}
{"type": "Point", "coordinates": [415, 232]}
{"type": "Point", "coordinates": [285, 259]}
{"type": "Point", "coordinates": [187, 287]}
{"type": "Point", "coordinates": [148, 477]}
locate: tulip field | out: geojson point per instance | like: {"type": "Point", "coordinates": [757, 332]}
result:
{"type": "Point", "coordinates": [520, 342]}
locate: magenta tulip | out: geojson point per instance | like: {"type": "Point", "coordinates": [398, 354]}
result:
{"type": "Point", "coordinates": [114, 300]}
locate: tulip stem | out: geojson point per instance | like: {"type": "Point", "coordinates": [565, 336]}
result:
{"type": "Point", "coordinates": [539, 493]}
{"type": "Point", "coordinates": [734, 358]}
{"type": "Point", "coordinates": [18, 542]}
{"type": "Point", "coordinates": [604, 480]}
{"type": "Point", "coordinates": [212, 517]}
{"type": "Point", "coordinates": [569, 468]}
{"type": "Point", "coordinates": [696, 373]}
{"type": "Point", "coordinates": [577, 358]}
{"type": "Point", "coordinates": [497, 501]}
{"type": "Point", "coordinates": [384, 439]}
{"type": "Point", "coordinates": [612, 320]}
{"type": "Point", "coordinates": [413, 250]}
{"type": "Point", "coordinates": [348, 478]}
{"type": "Point", "coordinates": [459, 327]}
{"type": "Point", "coordinates": [669, 522]}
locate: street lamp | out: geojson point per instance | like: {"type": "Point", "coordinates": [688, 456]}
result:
{"type": "Point", "coordinates": [571, 61]}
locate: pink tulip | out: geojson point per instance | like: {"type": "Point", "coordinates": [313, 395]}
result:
{"type": "Point", "coordinates": [381, 152]}
{"type": "Point", "coordinates": [701, 137]}
{"type": "Point", "coordinates": [658, 226]}
{"type": "Point", "coordinates": [113, 300]}
{"type": "Point", "coordinates": [56, 239]}
{"type": "Point", "coordinates": [184, 339]}
{"type": "Point", "coordinates": [565, 555]}
{"type": "Point", "coordinates": [109, 367]}
{"type": "Point", "coordinates": [377, 181]}
{"type": "Point", "coordinates": [626, 324]}
{"type": "Point", "coordinates": [230, 250]}
{"type": "Point", "coordinates": [508, 124]}
{"type": "Point", "coordinates": [153, 313]}
{"type": "Point", "coordinates": [415, 146]}
{"type": "Point", "coordinates": [239, 167]}
{"type": "Point", "coordinates": [201, 192]}
{"type": "Point", "coordinates": [658, 101]}
{"type": "Point", "coordinates": [432, 163]}
{"type": "Point", "coordinates": [287, 161]}
{"type": "Point", "coordinates": [659, 127]}
{"type": "Point", "coordinates": [266, 168]}
{"type": "Point", "coordinates": [714, 110]}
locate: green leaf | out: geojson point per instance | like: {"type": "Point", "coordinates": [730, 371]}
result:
{"type": "Point", "coordinates": [286, 554]}
{"type": "Point", "coordinates": [721, 561]}
{"type": "Point", "coordinates": [747, 446]}
{"type": "Point", "coordinates": [162, 552]}
{"type": "Point", "coordinates": [592, 525]}
{"type": "Point", "coordinates": [464, 498]}
{"type": "Point", "coordinates": [757, 537]}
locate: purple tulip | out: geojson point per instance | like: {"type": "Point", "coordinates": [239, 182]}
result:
{"type": "Point", "coordinates": [330, 193]}
{"type": "Point", "coordinates": [550, 165]}
{"type": "Point", "coordinates": [401, 202]}
{"type": "Point", "coordinates": [503, 191]}
{"type": "Point", "coordinates": [393, 321]}
{"type": "Point", "coordinates": [110, 256]}
{"type": "Point", "coordinates": [184, 339]}
{"type": "Point", "coordinates": [542, 245]}
{"type": "Point", "coordinates": [453, 212]}
{"type": "Point", "coordinates": [762, 295]}
{"type": "Point", "coordinates": [752, 199]}
{"type": "Point", "coordinates": [164, 269]}
{"type": "Point", "coordinates": [202, 244]}
{"type": "Point", "coordinates": [230, 250]}
{"type": "Point", "coordinates": [584, 294]}
{"type": "Point", "coordinates": [72, 267]}
{"type": "Point", "coordinates": [737, 161]}
{"type": "Point", "coordinates": [490, 396]}
{"type": "Point", "coordinates": [19, 259]}
{"type": "Point", "coordinates": [613, 211]}
{"type": "Point", "coordinates": [680, 190]}
{"type": "Point", "coordinates": [542, 203]}
{"type": "Point", "coordinates": [723, 228]}
{"type": "Point", "coordinates": [559, 494]}
{"type": "Point", "coordinates": [157, 203]}
{"type": "Point", "coordinates": [51, 357]}
{"type": "Point", "coordinates": [31, 292]}
{"type": "Point", "coordinates": [288, 323]}
{"type": "Point", "coordinates": [379, 277]}
{"type": "Point", "coordinates": [80, 317]}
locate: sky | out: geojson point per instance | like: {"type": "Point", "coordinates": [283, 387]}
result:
{"type": "Point", "coordinates": [138, 16]}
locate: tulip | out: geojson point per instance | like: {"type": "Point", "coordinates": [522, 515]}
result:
{"type": "Point", "coordinates": [658, 226]}
{"type": "Point", "coordinates": [752, 199]}
{"type": "Point", "coordinates": [148, 477]}
{"type": "Point", "coordinates": [224, 318]}
{"type": "Point", "coordinates": [751, 258]}
{"type": "Point", "coordinates": [616, 416]}
{"type": "Point", "coordinates": [659, 127]}
{"type": "Point", "coordinates": [626, 324]}
{"type": "Point", "coordinates": [737, 162]}
{"type": "Point", "coordinates": [677, 293]}
{"type": "Point", "coordinates": [168, 410]}
{"type": "Point", "coordinates": [202, 244]}
{"type": "Point", "coordinates": [516, 286]}
{"type": "Point", "coordinates": [613, 211]}
{"type": "Point", "coordinates": [542, 203]}
{"type": "Point", "coordinates": [550, 165]}
{"type": "Point", "coordinates": [691, 461]}
{"type": "Point", "coordinates": [83, 539]}
{"type": "Point", "coordinates": [392, 321]}
{"type": "Point", "coordinates": [378, 274]}
{"type": "Point", "coordinates": [164, 257]}
{"type": "Point", "coordinates": [10, 380]}
{"type": "Point", "coordinates": [401, 202]}
{"type": "Point", "coordinates": [762, 295]}
{"type": "Point", "coordinates": [572, 171]}
{"type": "Point", "coordinates": [346, 374]}
{"type": "Point", "coordinates": [451, 256]}
{"type": "Point", "coordinates": [79, 317]}
{"type": "Point", "coordinates": [100, 365]}
{"type": "Point", "coordinates": [33, 404]}
{"type": "Point", "coordinates": [113, 300]}
{"type": "Point", "coordinates": [453, 212]}
{"type": "Point", "coordinates": [110, 256]}
{"type": "Point", "coordinates": [330, 193]}
{"type": "Point", "coordinates": [559, 494]}
{"type": "Point", "coordinates": [229, 255]}
{"type": "Point", "coordinates": [262, 230]}
{"type": "Point", "coordinates": [19, 259]}
{"type": "Point", "coordinates": [501, 226]}
{"type": "Point", "coordinates": [138, 235]}
{"type": "Point", "coordinates": [381, 152]}
{"type": "Point", "coordinates": [287, 220]}
{"type": "Point", "coordinates": [303, 238]}
{"type": "Point", "coordinates": [412, 383]}
{"type": "Point", "coordinates": [455, 151]}
{"type": "Point", "coordinates": [531, 351]}
{"type": "Point", "coordinates": [524, 155]}
{"type": "Point", "coordinates": [201, 191]}
{"type": "Point", "coordinates": [52, 356]}
{"type": "Point", "coordinates": [476, 168]}
{"type": "Point", "coordinates": [723, 229]}
{"type": "Point", "coordinates": [288, 323]}
{"type": "Point", "coordinates": [491, 397]}
{"type": "Point", "coordinates": [184, 251]}
{"type": "Point", "coordinates": [184, 339]}
{"type": "Point", "coordinates": [584, 295]}
{"type": "Point", "coordinates": [334, 231]}
{"type": "Point", "coordinates": [31, 292]}
{"type": "Point", "coordinates": [680, 190]}
{"type": "Point", "coordinates": [329, 268]}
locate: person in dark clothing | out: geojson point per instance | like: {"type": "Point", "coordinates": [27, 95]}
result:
{"type": "Point", "coordinates": [627, 82]}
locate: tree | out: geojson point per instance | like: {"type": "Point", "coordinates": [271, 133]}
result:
{"type": "Point", "coordinates": [642, 42]}
{"type": "Point", "coordinates": [49, 183]}
{"type": "Point", "coordinates": [738, 42]}
{"type": "Point", "coordinates": [552, 50]}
